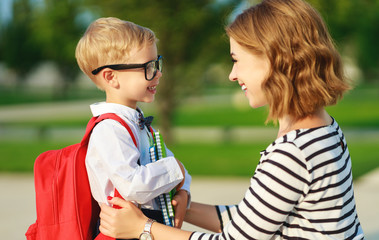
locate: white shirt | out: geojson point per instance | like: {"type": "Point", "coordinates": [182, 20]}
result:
{"type": "Point", "coordinates": [112, 161]}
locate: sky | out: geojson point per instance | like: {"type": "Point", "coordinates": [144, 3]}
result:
{"type": "Point", "coordinates": [5, 10]}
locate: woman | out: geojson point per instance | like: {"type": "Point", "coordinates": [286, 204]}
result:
{"type": "Point", "coordinates": [283, 57]}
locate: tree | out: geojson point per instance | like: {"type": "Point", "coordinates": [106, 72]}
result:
{"type": "Point", "coordinates": [354, 24]}
{"type": "Point", "coordinates": [19, 48]}
{"type": "Point", "coordinates": [367, 31]}
{"type": "Point", "coordinates": [56, 30]}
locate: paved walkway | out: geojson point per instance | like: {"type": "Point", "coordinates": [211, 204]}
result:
{"type": "Point", "coordinates": [17, 204]}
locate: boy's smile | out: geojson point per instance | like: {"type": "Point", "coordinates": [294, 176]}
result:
{"type": "Point", "coordinates": [152, 89]}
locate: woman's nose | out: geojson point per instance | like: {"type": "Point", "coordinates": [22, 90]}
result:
{"type": "Point", "coordinates": [233, 75]}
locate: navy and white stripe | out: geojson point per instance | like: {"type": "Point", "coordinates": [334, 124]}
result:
{"type": "Point", "coordinates": [225, 213]}
{"type": "Point", "coordinates": [302, 189]}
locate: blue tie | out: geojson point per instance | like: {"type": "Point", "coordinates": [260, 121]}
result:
{"type": "Point", "coordinates": [144, 121]}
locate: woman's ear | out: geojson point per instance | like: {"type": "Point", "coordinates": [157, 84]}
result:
{"type": "Point", "coordinates": [110, 78]}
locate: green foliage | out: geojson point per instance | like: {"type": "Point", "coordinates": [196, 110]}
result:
{"type": "Point", "coordinates": [354, 24]}
{"type": "Point", "coordinates": [19, 48]}
{"type": "Point", "coordinates": [366, 37]}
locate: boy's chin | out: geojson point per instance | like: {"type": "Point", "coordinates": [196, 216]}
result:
{"type": "Point", "coordinates": [150, 100]}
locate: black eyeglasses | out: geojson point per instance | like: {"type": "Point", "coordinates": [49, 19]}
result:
{"type": "Point", "coordinates": [150, 67]}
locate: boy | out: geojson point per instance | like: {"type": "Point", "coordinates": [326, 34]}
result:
{"type": "Point", "coordinates": [121, 58]}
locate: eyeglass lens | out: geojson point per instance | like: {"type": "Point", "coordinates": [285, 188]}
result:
{"type": "Point", "coordinates": [152, 67]}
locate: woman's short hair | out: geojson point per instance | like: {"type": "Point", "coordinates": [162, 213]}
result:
{"type": "Point", "coordinates": [306, 69]}
{"type": "Point", "coordinates": [110, 41]}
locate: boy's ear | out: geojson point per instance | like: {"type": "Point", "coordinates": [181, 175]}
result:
{"type": "Point", "coordinates": [110, 78]}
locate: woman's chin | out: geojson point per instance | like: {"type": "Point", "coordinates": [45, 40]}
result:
{"type": "Point", "coordinates": [254, 104]}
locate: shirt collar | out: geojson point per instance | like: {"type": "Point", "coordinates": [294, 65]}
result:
{"type": "Point", "coordinates": [104, 107]}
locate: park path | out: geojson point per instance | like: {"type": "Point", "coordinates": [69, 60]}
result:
{"type": "Point", "coordinates": [17, 204]}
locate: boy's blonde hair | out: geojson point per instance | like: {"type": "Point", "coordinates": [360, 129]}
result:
{"type": "Point", "coordinates": [306, 69]}
{"type": "Point", "coordinates": [110, 41]}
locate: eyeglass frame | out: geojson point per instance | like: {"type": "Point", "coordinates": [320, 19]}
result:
{"type": "Point", "coordinates": [133, 66]}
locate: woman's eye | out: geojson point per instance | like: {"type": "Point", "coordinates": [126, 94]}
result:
{"type": "Point", "coordinates": [234, 60]}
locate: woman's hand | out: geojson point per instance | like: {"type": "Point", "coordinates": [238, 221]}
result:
{"type": "Point", "coordinates": [179, 202]}
{"type": "Point", "coordinates": [127, 222]}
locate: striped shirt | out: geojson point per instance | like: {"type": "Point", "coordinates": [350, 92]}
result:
{"type": "Point", "coordinates": [302, 188]}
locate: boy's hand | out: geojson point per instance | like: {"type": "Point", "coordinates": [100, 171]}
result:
{"type": "Point", "coordinates": [179, 202]}
{"type": "Point", "coordinates": [180, 185]}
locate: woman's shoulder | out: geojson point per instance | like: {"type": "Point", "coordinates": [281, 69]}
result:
{"type": "Point", "coordinates": [307, 136]}
{"type": "Point", "coordinates": [295, 141]}
{"type": "Point", "coordinates": [283, 149]}
{"type": "Point", "coordinates": [306, 143]}
{"type": "Point", "coordinates": [283, 158]}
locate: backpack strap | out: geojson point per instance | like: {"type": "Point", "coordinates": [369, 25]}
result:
{"type": "Point", "coordinates": [113, 116]}
{"type": "Point", "coordinates": [91, 124]}
{"type": "Point", "coordinates": [95, 120]}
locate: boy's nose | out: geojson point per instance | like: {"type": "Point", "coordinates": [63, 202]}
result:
{"type": "Point", "coordinates": [158, 74]}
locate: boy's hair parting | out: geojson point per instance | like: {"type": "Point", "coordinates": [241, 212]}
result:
{"type": "Point", "coordinates": [306, 69]}
{"type": "Point", "coordinates": [110, 41]}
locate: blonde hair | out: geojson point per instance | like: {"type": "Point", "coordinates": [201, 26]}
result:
{"type": "Point", "coordinates": [110, 41]}
{"type": "Point", "coordinates": [306, 69]}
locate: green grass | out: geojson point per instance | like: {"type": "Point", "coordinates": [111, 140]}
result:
{"type": "Point", "coordinates": [359, 108]}
{"type": "Point", "coordinates": [19, 156]}
{"type": "Point", "coordinates": [216, 114]}
{"type": "Point", "coordinates": [213, 159]}
{"type": "Point", "coordinates": [219, 159]}
{"type": "Point", "coordinates": [21, 94]}
{"type": "Point", "coordinates": [364, 156]}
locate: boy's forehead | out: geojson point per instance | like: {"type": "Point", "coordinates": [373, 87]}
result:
{"type": "Point", "coordinates": [144, 53]}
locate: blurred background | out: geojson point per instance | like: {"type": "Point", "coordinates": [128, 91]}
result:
{"type": "Point", "coordinates": [44, 97]}
{"type": "Point", "coordinates": [205, 119]}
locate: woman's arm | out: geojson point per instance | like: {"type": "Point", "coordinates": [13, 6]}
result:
{"type": "Point", "coordinates": [128, 222]}
{"type": "Point", "coordinates": [204, 216]}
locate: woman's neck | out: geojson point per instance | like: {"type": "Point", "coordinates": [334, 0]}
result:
{"type": "Point", "coordinates": [318, 119]}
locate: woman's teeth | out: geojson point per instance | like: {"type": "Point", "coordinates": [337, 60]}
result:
{"type": "Point", "coordinates": [152, 88]}
{"type": "Point", "coordinates": [243, 87]}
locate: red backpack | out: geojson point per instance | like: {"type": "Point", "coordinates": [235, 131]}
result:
{"type": "Point", "coordinates": [65, 206]}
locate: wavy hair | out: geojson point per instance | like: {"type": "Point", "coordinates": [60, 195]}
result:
{"type": "Point", "coordinates": [306, 69]}
{"type": "Point", "coordinates": [110, 41]}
